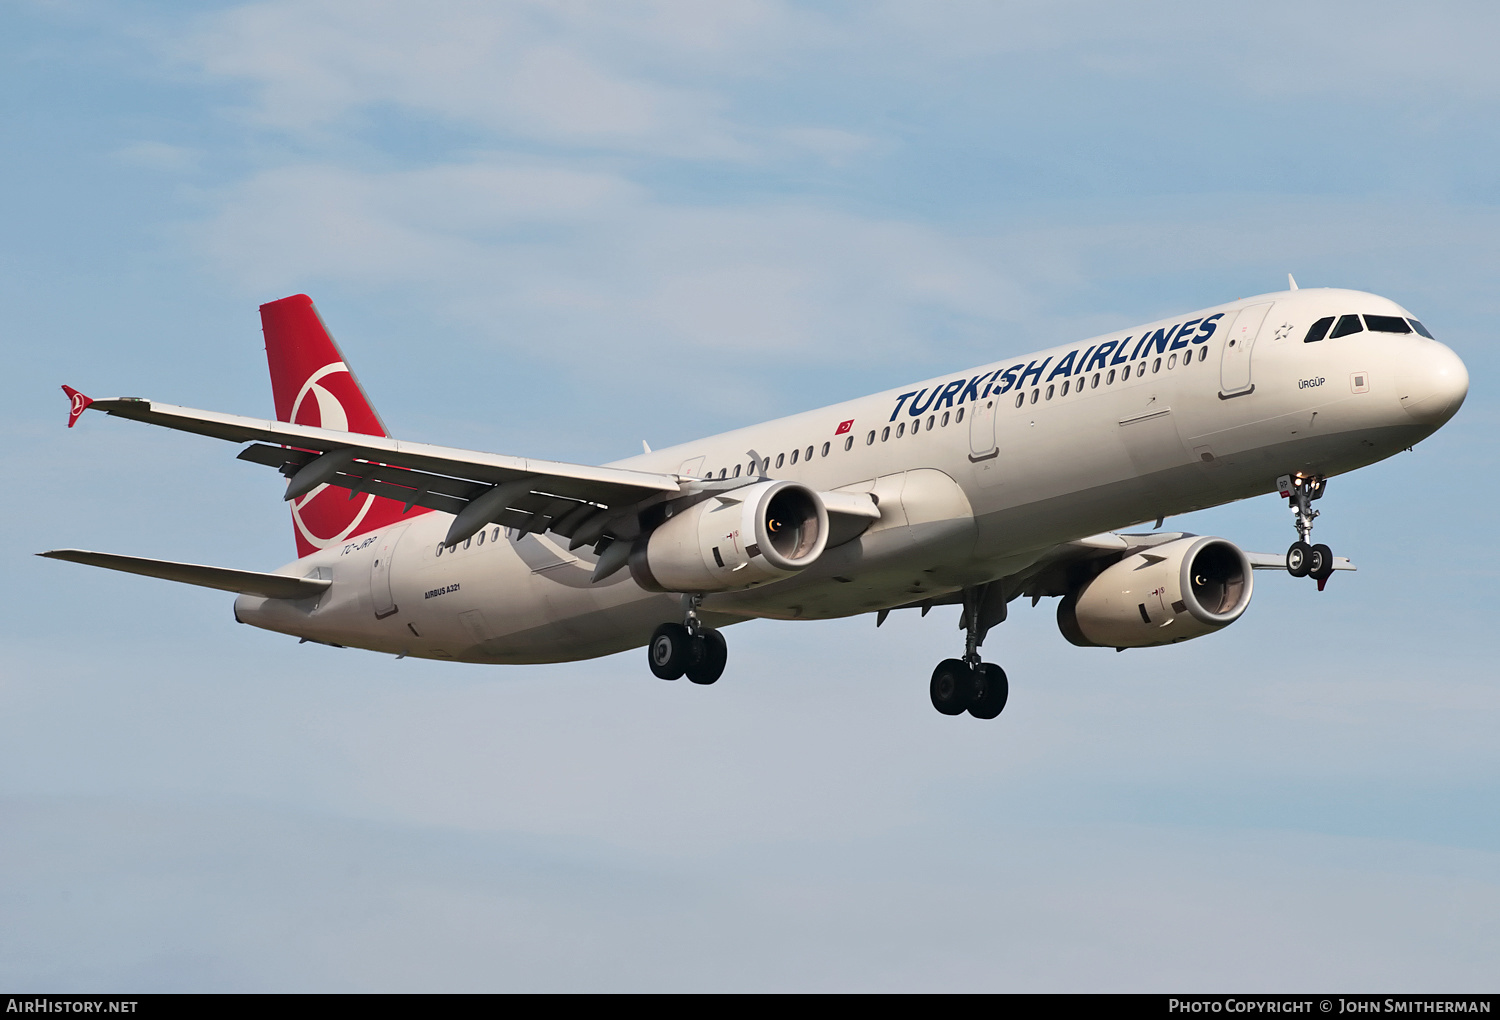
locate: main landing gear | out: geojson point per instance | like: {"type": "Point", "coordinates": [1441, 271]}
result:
{"type": "Point", "coordinates": [1304, 559]}
{"type": "Point", "coordinates": [967, 684]}
{"type": "Point", "coordinates": [688, 648]}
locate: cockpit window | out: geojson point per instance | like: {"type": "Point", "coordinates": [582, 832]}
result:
{"type": "Point", "coordinates": [1319, 330]}
{"type": "Point", "coordinates": [1387, 324]}
{"type": "Point", "coordinates": [1347, 324]}
{"type": "Point", "coordinates": [1421, 329]}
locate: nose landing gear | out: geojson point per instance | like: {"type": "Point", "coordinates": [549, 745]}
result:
{"type": "Point", "coordinates": [688, 649]}
{"type": "Point", "coordinates": [1304, 559]}
{"type": "Point", "coordinates": [967, 684]}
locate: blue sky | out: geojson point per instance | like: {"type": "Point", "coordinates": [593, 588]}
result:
{"type": "Point", "coordinates": [556, 229]}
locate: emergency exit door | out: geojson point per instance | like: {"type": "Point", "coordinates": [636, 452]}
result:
{"type": "Point", "coordinates": [380, 572]}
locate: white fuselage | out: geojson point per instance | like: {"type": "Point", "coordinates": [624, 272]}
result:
{"type": "Point", "coordinates": [973, 484]}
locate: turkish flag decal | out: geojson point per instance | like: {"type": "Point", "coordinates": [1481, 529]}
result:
{"type": "Point", "coordinates": [844, 426]}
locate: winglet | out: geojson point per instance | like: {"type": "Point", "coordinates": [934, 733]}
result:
{"type": "Point", "coordinates": [80, 404]}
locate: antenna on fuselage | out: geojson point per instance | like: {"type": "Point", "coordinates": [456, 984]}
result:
{"type": "Point", "coordinates": [1292, 284]}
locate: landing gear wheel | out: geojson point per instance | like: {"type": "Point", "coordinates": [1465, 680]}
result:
{"type": "Point", "coordinates": [994, 690]}
{"type": "Point", "coordinates": [710, 654]}
{"type": "Point", "coordinates": [669, 651]}
{"type": "Point", "coordinates": [952, 687]}
{"type": "Point", "coordinates": [1322, 564]}
{"type": "Point", "coordinates": [1299, 559]}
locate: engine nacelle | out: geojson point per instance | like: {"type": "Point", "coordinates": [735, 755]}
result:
{"type": "Point", "coordinates": [747, 536]}
{"type": "Point", "coordinates": [1171, 592]}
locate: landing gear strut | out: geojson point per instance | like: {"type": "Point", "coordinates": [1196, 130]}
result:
{"type": "Point", "coordinates": [688, 648]}
{"type": "Point", "coordinates": [1304, 559]}
{"type": "Point", "coordinates": [967, 684]}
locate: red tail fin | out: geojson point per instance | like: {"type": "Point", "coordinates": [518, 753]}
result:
{"type": "Point", "coordinates": [313, 386]}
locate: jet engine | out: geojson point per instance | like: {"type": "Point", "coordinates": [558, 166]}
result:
{"type": "Point", "coordinates": [736, 539]}
{"type": "Point", "coordinates": [1167, 593]}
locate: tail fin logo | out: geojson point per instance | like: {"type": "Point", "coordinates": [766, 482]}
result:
{"type": "Point", "coordinates": [312, 385]}
{"type": "Point", "coordinates": [331, 413]}
{"type": "Point", "coordinates": [322, 517]}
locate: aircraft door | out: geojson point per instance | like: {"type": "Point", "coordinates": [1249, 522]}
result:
{"type": "Point", "coordinates": [1234, 360]}
{"type": "Point", "coordinates": [380, 573]}
{"type": "Point", "coordinates": [982, 430]}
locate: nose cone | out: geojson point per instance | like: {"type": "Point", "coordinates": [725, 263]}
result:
{"type": "Point", "coordinates": [1433, 385]}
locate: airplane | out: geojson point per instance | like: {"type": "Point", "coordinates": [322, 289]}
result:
{"type": "Point", "coordinates": [1016, 478]}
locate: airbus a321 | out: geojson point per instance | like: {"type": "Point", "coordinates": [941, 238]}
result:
{"type": "Point", "coordinates": [1011, 479]}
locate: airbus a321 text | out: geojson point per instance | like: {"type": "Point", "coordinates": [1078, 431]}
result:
{"type": "Point", "coordinates": [972, 489]}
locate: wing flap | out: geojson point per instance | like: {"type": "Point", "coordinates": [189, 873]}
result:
{"type": "Point", "coordinates": [246, 582]}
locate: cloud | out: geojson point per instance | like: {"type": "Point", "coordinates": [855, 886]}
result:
{"type": "Point", "coordinates": [548, 72]}
{"type": "Point", "coordinates": [594, 262]}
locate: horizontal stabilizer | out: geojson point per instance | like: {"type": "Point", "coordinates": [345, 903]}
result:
{"type": "Point", "coordinates": [246, 582]}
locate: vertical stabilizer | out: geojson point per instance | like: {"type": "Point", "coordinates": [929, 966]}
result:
{"type": "Point", "coordinates": [313, 385]}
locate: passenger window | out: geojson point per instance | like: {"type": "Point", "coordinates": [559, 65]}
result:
{"type": "Point", "coordinates": [958, 416]}
{"type": "Point", "coordinates": [1050, 388]}
{"type": "Point", "coordinates": [1319, 330]}
{"type": "Point", "coordinates": [723, 472]}
{"type": "Point", "coordinates": [1387, 324]}
{"type": "Point", "coordinates": [467, 541]}
{"type": "Point", "coordinates": [1035, 395]}
{"type": "Point", "coordinates": [794, 455]}
{"type": "Point", "coordinates": [870, 439]}
{"type": "Point", "coordinates": [1155, 366]}
{"type": "Point", "coordinates": [1020, 399]}
{"type": "Point", "coordinates": [930, 420]}
{"type": "Point", "coordinates": [1421, 329]}
{"type": "Point", "coordinates": [1142, 370]}
{"type": "Point", "coordinates": [736, 471]}
{"type": "Point", "coordinates": [1064, 389]}
{"type": "Point", "coordinates": [945, 419]}
{"type": "Point", "coordinates": [780, 459]}
{"type": "Point", "coordinates": [885, 433]}
{"type": "Point", "coordinates": [808, 454]}
{"type": "Point", "coordinates": [1202, 353]}
{"type": "Point", "coordinates": [495, 536]}
{"type": "Point", "coordinates": [1347, 325]}
{"type": "Point", "coordinates": [849, 443]}
{"type": "Point", "coordinates": [826, 447]}
{"type": "Point", "coordinates": [480, 539]}
{"type": "Point", "coordinates": [1110, 381]}
{"type": "Point", "coordinates": [1171, 363]}
{"type": "Point", "coordinates": [1095, 384]}
{"type": "Point", "coordinates": [439, 550]}
{"type": "Point", "coordinates": [900, 430]}
{"type": "Point", "coordinates": [916, 426]}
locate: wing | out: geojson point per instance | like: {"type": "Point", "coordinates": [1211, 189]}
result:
{"type": "Point", "coordinates": [575, 500]}
{"type": "Point", "coordinates": [1061, 569]}
{"type": "Point", "coordinates": [1055, 573]}
{"type": "Point", "coordinates": [580, 502]}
